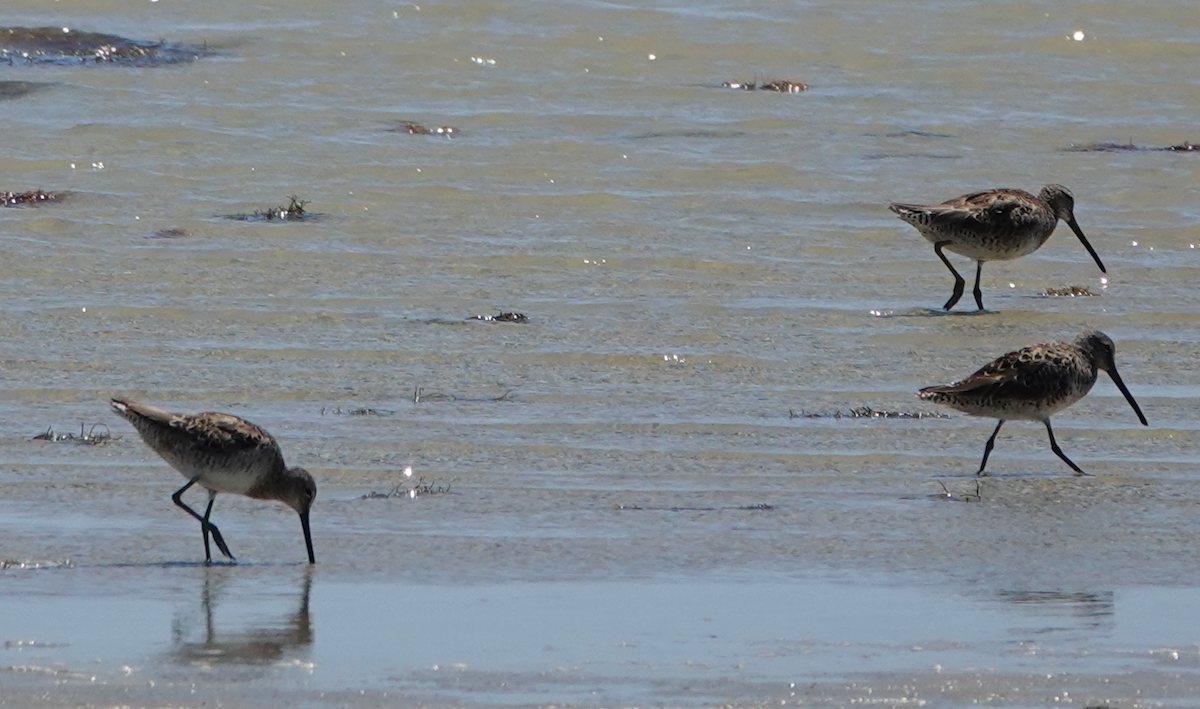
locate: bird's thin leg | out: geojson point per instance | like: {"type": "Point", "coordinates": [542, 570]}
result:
{"type": "Point", "coordinates": [978, 293]}
{"type": "Point", "coordinates": [205, 525]}
{"type": "Point", "coordinates": [1058, 451]}
{"type": "Point", "coordinates": [216, 533]}
{"type": "Point", "coordinates": [959, 283]}
{"type": "Point", "coordinates": [987, 450]}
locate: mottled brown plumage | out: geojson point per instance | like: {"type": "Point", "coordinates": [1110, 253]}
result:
{"type": "Point", "coordinates": [993, 225]}
{"type": "Point", "coordinates": [223, 453]}
{"type": "Point", "coordinates": [1033, 383]}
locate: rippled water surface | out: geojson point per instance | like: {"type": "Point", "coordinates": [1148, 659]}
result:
{"type": "Point", "coordinates": [657, 491]}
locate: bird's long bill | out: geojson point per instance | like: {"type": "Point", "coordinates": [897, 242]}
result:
{"type": "Point", "coordinates": [308, 535]}
{"type": "Point", "coordinates": [1079, 232]}
{"type": "Point", "coordinates": [1128, 397]}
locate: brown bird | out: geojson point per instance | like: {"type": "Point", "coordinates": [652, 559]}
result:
{"type": "Point", "coordinates": [1032, 384]}
{"type": "Point", "coordinates": [224, 453]}
{"type": "Point", "coordinates": [993, 225]}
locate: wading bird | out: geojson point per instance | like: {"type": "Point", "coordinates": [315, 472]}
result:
{"type": "Point", "coordinates": [993, 225]}
{"type": "Point", "coordinates": [1034, 383]}
{"type": "Point", "coordinates": [223, 453]}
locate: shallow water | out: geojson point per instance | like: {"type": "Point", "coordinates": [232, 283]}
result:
{"type": "Point", "coordinates": [635, 470]}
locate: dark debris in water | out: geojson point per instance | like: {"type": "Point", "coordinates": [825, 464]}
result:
{"type": "Point", "coordinates": [1184, 147]}
{"type": "Point", "coordinates": [293, 211]}
{"type": "Point", "coordinates": [419, 396]}
{"type": "Point", "coordinates": [916, 134]}
{"type": "Point", "coordinates": [976, 496]}
{"type": "Point", "coordinates": [87, 436]}
{"type": "Point", "coordinates": [62, 45]}
{"type": "Point", "coordinates": [360, 411]}
{"type": "Point", "coordinates": [761, 507]}
{"type": "Point", "coordinates": [713, 134]}
{"type": "Point", "coordinates": [170, 233]}
{"type": "Point", "coordinates": [1069, 292]}
{"type": "Point", "coordinates": [894, 156]}
{"type": "Point", "coordinates": [20, 89]}
{"type": "Point", "coordinates": [783, 87]}
{"type": "Point", "coordinates": [29, 564]}
{"type": "Point", "coordinates": [502, 317]}
{"type": "Point", "coordinates": [418, 129]}
{"type": "Point", "coordinates": [866, 412]}
{"type": "Point", "coordinates": [30, 198]}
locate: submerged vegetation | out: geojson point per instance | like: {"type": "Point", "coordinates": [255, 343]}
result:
{"type": "Point", "coordinates": [361, 411]}
{"type": "Point", "coordinates": [411, 489]}
{"type": "Point", "coordinates": [1069, 292]}
{"type": "Point", "coordinates": [761, 507]}
{"type": "Point", "coordinates": [87, 436]}
{"type": "Point", "coordinates": [419, 396]}
{"type": "Point", "coordinates": [976, 496]}
{"type": "Point", "coordinates": [170, 233]}
{"type": "Point", "coordinates": [20, 89]}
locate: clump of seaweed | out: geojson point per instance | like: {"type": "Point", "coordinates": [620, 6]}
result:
{"type": "Point", "coordinates": [1184, 147]}
{"type": "Point", "coordinates": [87, 436]}
{"type": "Point", "coordinates": [293, 211]}
{"type": "Point", "coordinates": [502, 317]}
{"type": "Point", "coordinates": [419, 395]}
{"type": "Point", "coordinates": [62, 45]}
{"type": "Point", "coordinates": [866, 412]}
{"type": "Point", "coordinates": [784, 87]}
{"type": "Point", "coordinates": [1069, 292]}
{"type": "Point", "coordinates": [411, 489]}
{"type": "Point", "coordinates": [418, 129]}
{"type": "Point", "coordinates": [32, 197]}
{"type": "Point", "coordinates": [361, 411]}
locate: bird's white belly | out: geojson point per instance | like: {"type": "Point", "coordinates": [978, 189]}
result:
{"type": "Point", "coordinates": [231, 477]}
{"type": "Point", "coordinates": [226, 481]}
{"type": "Point", "coordinates": [985, 251]}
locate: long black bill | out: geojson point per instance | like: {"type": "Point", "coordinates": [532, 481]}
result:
{"type": "Point", "coordinates": [1128, 397]}
{"type": "Point", "coordinates": [308, 535]}
{"type": "Point", "coordinates": [1079, 232]}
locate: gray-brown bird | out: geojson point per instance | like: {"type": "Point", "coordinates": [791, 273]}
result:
{"type": "Point", "coordinates": [993, 225]}
{"type": "Point", "coordinates": [223, 453]}
{"type": "Point", "coordinates": [1034, 383]}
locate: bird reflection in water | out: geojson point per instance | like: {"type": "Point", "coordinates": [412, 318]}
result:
{"type": "Point", "coordinates": [255, 641]}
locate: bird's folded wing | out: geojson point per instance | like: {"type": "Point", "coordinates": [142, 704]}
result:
{"type": "Point", "coordinates": [224, 431]}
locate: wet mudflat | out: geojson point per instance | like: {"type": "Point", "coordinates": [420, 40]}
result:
{"type": "Point", "coordinates": [523, 591]}
{"type": "Point", "coordinates": [665, 484]}
{"type": "Point", "coordinates": [64, 45]}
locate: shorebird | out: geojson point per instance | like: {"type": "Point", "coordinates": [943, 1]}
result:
{"type": "Point", "coordinates": [223, 453]}
{"type": "Point", "coordinates": [993, 225]}
{"type": "Point", "coordinates": [1034, 383]}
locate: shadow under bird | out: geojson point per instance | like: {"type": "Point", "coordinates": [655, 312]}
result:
{"type": "Point", "coordinates": [223, 453]}
{"type": "Point", "coordinates": [993, 225]}
{"type": "Point", "coordinates": [1034, 383]}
